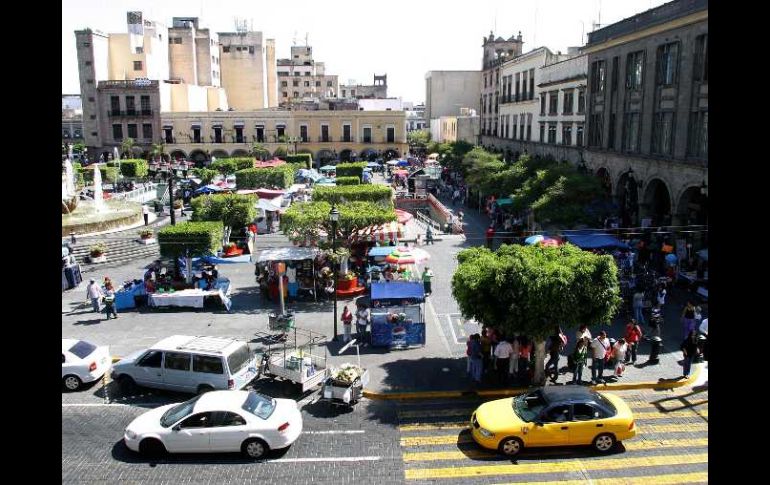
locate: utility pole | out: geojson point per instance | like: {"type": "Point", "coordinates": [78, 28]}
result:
{"type": "Point", "coordinates": [171, 193]}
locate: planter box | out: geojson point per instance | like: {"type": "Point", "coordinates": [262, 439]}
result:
{"type": "Point", "coordinates": [97, 259]}
{"type": "Point", "coordinates": [149, 240]}
{"type": "Point", "coordinates": [347, 285]}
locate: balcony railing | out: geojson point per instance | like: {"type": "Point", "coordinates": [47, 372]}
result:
{"type": "Point", "coordinates": [114, 113]}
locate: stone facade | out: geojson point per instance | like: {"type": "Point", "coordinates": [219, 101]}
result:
{"type": "Point", "coordinates": [378, 90]}
{"type": "Point", "coordinates": [245, 70]}
{"type": "Point", "coordinates": [301, 77]}
{"type": "Point", "coordinates": [131, 110]}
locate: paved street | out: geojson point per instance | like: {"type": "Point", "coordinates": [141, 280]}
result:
{"type": "Point", "coordinates": [395, 442]}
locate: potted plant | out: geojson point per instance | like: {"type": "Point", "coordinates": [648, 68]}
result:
{"type": "Point", "coordinates": [231, 249]}
{"type": "Point", "coordinates": [96, 253]}
{"type": "Point", "coordinates": [146, 236]}
{"type": "Point", "coordinates": [347, 282]}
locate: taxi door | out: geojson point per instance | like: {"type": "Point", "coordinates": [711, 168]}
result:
{"type": "Point", "coordinates": [588, 422]}
{"type": "Point", "coordinates": [552, 429]}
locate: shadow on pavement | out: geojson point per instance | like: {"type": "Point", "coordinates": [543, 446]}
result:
{"type": "Point", "coordinates": [425, 374]}
{"type": "Point", "coordinates": [121, 453]}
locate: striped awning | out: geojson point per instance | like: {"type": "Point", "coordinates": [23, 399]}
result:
{"type": "Point", "coordinates": [389, 231]}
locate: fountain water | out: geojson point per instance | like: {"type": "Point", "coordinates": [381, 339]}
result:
{"type": "Point", "coordinates": [98, 194]}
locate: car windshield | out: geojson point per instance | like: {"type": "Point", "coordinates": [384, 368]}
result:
{"type": "Point", "coordinates": [178, 412]}
{"type": "Point", "coordinates": [529, 406]}
{"type": "Point", "coordinates": [258, 405]}
{"type": "Point", "coordinates": [82, 349]}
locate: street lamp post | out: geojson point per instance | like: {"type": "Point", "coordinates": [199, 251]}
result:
{"type": "Point", "coordinates": [334, 217]}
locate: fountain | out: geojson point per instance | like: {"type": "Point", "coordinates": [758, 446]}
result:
{"type": "Point", "coordinates": [69, 197]}
{"type": "Point", "coordinates": [98, 193]}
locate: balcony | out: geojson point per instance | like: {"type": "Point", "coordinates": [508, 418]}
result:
{"type": "Point", "coordinates": [348, 139]}
{"type": "Point", "coordinates": [324, 139]}
{"type": "Point", "coordinates": [115, 113]}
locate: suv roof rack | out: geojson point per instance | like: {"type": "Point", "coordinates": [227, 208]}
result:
{"type": "Point", "coordinates": [207, 344]}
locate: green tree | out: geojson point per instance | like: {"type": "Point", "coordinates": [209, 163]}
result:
{"type": "Point", "coordinates": [532, 289]}
{"type": "Point", "coordinates": [307, 220]}
{"type": "Point", "coordinates": [225, 166]}
{"type": "Point", "coordinates": [158, 150]}
{"type": "Point", "coordinates": [418, 138]}
{"type": "Point", "coordinates": [259, 151]}
{"type": "Point", "coordinates": [280, 152]}
{"type": "Point", "coordinates": [233, 210]}
{"type": "Point", "coordinates": [79, 147]}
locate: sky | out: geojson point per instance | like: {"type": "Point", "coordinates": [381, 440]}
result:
{"type": "Point", "coordinates": [359, 38]}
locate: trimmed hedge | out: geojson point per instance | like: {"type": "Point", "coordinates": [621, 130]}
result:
{"type": "Point", "coordinates": [134, 167]}
{"type": "Point", "coordinates": [304, 158]}
{"type": "Point", "coordinates": [350, 193]}
{"type": "Point", "coordinates": [232, 210]}
{"type": "Point", "coordinates": [199, 237]}
{"type": "Point", "coordinates": [347, 181]}
{"type": "Point", "coordinates": [355, 169]}
{"type": "Point", "coordinates": [265, 178]}
{"type": "Point", "coordinates": [241, 163]}
{"type": "Point", "coordinates": [280, 152]}
{"type": "Point", "coordinates": [225, 166]}
{"type": "Point", "coordinates": [205, 174]}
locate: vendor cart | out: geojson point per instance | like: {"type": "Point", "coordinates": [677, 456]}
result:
{"type": "Point", "coordinates": [291, 357]}
{"type": "Point", "coordinates": [345, 385]}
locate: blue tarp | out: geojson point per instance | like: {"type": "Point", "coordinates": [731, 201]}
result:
{"type": "Point", "coordinates": [381, 251]}
{"type": "Point", "coordinates": [373, 164]}
{"type": "Point", "coordinates": [208, 189]}
{"type": "Point", "coordinates": [398, 290]}
{"type": "Point", "coordinates": [403, 163]}
{"type": "Point", "coordinates": [196, 262]}
{"type": "Point", "coordinates": [596, 241]}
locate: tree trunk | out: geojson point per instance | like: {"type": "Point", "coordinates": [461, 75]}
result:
{"type": "Point", "coordinates": [539, 378]}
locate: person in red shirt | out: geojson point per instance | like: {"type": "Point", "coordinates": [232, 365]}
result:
{"type": "Point", "coordinates": [633, 336]}
{"type": "Point", "coordinates": [490, 236]}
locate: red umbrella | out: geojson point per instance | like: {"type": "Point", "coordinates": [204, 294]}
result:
{"type": "Point", "coordinates": [403, 216]}
{"type": "Point", "coordinates": [550, 242]}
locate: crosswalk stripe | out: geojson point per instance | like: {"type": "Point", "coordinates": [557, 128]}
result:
{"type": "Point", "coordinates": [466, 437]}
{"type": "Point", "coordinates": [674, 478]}
{"type": "Point", "coordinates": [475, 454]}
{"type": "Point", "coordinates": [450, 425]}
{"type": "Point", "coordinates": [566, 466]}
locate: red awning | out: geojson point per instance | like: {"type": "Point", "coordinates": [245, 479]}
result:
{"type": "Point", "coordinates": [390, 231]}
{"type": "Point", "coordinates": [269, 193]}
{"type": "Point", "coordinates": [269, 163]}
{"type": "Point", "coordinates": [403, 216]}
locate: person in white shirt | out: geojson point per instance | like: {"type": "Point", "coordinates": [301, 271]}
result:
{"type": "Point", "coordinates": [619, 352]}
{"type": "Point", "coordinates": [362, 320]}
{"type": "Point", "coordinates": [513, 367]}
{"type": "Point", "coordinates": [599, 348]}
{"type": "Point", "coordinates": [503, 352]}
{"type": "Point", "coordinates": [583, 332]}
{"type": "Point", "coordinates": [94, 293]}
{"type": "Point", "coordinates": [291, 276]}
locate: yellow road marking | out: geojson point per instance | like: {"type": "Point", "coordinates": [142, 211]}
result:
{"type": "Point", "coordinates": [466, 437]}
{"type": "Point", "coordinates": [450, 425]}
{"type": "Point", "coordinates": [566, 466]}
{"type": "Point", "coordinates": [475, 454]}
{"type": "Point", "coordinates": [676, 478]}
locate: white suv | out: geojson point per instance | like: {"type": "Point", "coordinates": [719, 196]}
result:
{"type": "Point", "coordinates": [189, 364]}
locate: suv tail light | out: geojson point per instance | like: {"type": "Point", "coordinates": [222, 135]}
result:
{"type": "Point", "coordinates": [92, 367]}
{"type": "Point", "coordinates": [631, 426]}
{"type": "Point", "coordinates": [283, 427]}
{"type": "Point", "coordinates": [230, 384]}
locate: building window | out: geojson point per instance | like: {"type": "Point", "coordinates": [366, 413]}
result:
{"type": "Point", "coordinates": [318, 84]}
{"type": "Point", "coordinates": [485, 80]}
{"type": "Point", "coordinates": [346, 133]}
{"type": "Point", "coordinates": [529, 128]}
{"type": "Point", "coordinates": [542, 132]}
{"type": "Point", "coordinates": [611, 132]}
{"type": "Point", "coordinates": [569, 101]}
{"type": "Point", "coordinates": [130, 107]}
{"type": "Point", "coordinates": [284, 84]}
{"type": "Point", "coordinates": [579, 136]}
{"type": "Point", "coordinates": [551, 132]}
{"type": "Point", "coordinates": [515, 125]}
{"type": "Point", "coordinates": [132, 131]}
{"type": "Point", "coordinates": [614, 79]}
{"type": "Point", "coordinates": [391, 135]}
{"type": "Point", "coordinates": [89, 81]}
{"type": "Point", "coordinates": [147, 131]}
{"type": "Point", "coordinates": [631, 133]}
{"type": "Point", "coordinates": [169, 135]}
{"type": "Point", "coordinates": [329, 84]}
{"type": "Point", "coordinates": [115, 105]}
{"type": "Point", "coordinates": [635, 70]}
{"type": "Point", "coordinates": [226, 48]}
{"type": "Point", "coordinates": [581, 101]}
{"type": "Point", "coordinates": [251, 49]}
{"type": "Point", "coordinates": [307, 84]}
{"type": "Point", "coordinates": [553, 102]}
{"type": "Point", "coordinates": [518, 86]}
{"type": "Point", "coordinates": [566, 134]}
{"type": "Point", "coordinates": [663, 133]}
{"type": "Point", "coordinates": [196, 131]}
{"type": "Point", "coordinates": [307, 73]}
{"type": "Point", "coordinates": [239, 135]}
{"type": "Point", "coordinates": [117, 132]}
{"type": "Point", "coordinates": [598, 77]}
{"type": "Point", "coordinates": [524, 85]}
{"type": "Point", "coordinates": [296, 74]}
{"type": "Point", "coordinates": [698, 139]}
{"type": "Point", "coordinates": [88, 63]}
{"type": "Point", "coordinates": [91, 99]}
{"type": "Point", "coordinates": [295, 83]}
{"type": "Point", "coordinates": [701, 59]}
{"type": "Point", "coordinates": [325, 133]}
{"type": "Point", "coordinates": [285, 94]}
{"type": "Point", "coordinates": [352, 93]}
{"type": "Point", "coordinates": [217, 134]}
{"type": "Point", "coordinates": [144, 103]}
{"type": "Point", "coordinates": [137, 65]}
{"type": "Point", "coordinates": [303, 133]}
{"type": "Point", "coordinates": [367, 134]}
{"type": "Point", "coordinates": [295, 94]}
{"type": "Point", "coordinates": [667, 61]}
{"type": "Point", "coordinates": [531, 84]}
{"type": "Point", "coordinates": [595, 127]}
{"type": "Point", "coordinates": [542, 104]}
{"type": "Point", "coordinates": [280, 131]}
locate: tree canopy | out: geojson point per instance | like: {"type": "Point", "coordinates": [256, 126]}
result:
{"type": "Point", "coordinates": [306, 221]}
{"type": "Point", "coordinates": [531, 289]}
{"type": "Point", "coordinates": [200, 238]}
{"type": "Point", "coordinates": [232, 210]}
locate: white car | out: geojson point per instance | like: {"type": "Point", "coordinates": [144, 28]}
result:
{"type": "Point", "coordinates": [82, 362]}
{"type": "Point", "coordinates": [217, 421]}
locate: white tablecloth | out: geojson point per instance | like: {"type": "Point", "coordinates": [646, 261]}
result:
{"type": "Point", "coordinates": [186, 298]}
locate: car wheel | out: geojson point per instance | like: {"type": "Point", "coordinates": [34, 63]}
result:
{"type": "Point", "coordinates": [127, 384]}
{"type": "Point", "coordinates": [72, 383]}
{"type": "Point", "coordinates": [151, 447]}
{"type": "Point", "coordinates": [254, 448]}
{"type": "Point", "coordinates": [511, 446]}
{"type": "Point", "coordinates": [604, 443]}
{"type": "Point", "coordinates": [204, 389]}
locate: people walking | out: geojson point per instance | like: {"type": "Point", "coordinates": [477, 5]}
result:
{"type": "Point", "coordinates": [94, 293]}
{"type": "Point", "coordinates": [428, 235]}
{"type": "Point", "coordinates": [525, 350]}
{"type": "Point", "coordinates": [619, 351]}
{"type": "Point", "coordinates": [600, 346]}
{"type": "Point", "coordinates": [639, 306]}
{"type": "Point", "coordinates": [109, 301]}
{"type": "Point", "coordinates": [347, 324]}
{"type": "Point", "coordinates": [503, 352]}
{"type": "Point", "coordinates": [475, 357]}
{"type": "Point", "coordinates": [661, 295]}
{"type": "Point", "coordinates": [556, 344]}
{"type": "Point", "coordinates": [688, 319]}
{"type": "Point", "coordinates": [490, 235]}
{"type": "Point", "coordinates": [633, 336]}
{"type": "Point", "coordinates": [513, 366]}
{"type": "Point", "coordinates": [362, 320]}
{"type": "Point", "coordinates": [427, 276]}
{"type": "Point", "coordinates": [146, 214]}
{"type": "Point", "coordinates": [689, 348]}
{"type": "Point", "coordinates": [579, 357]}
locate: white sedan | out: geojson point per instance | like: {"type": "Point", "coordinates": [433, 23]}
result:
{"type": "Point", "coordinates": [217, 421]}
{"type": "Point", "coordinates": [82, 362]}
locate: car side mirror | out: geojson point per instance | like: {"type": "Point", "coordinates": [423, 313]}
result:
{"type": "Point", "coordinates": [177, 427]}
{"type": "Point", "coordinates": [538, 423]}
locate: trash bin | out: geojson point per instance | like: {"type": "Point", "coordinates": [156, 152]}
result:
{"type": "Point", "coordinates": [656, 345]}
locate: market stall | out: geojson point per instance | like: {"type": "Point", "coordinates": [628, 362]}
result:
{"type": "Point", "coordinates": [300, 272]}
{"type": "Point", "coordinates": [596, 241]}
{"type": "Point", "coordinates": [190, 298]}
{"type": "Point", "coordinates": [398, 314]}
{"type": "Point", "coordinates": [383, 233]}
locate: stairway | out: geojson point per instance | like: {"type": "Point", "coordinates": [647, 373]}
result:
{"type": "Point", "coordinates": [120, 250]}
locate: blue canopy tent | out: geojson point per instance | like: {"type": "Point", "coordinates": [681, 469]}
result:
{"type": "Point", "coordinates": [397, 314]}
{"type": "Point", "coordinates": [373, 165]}
{"type": "Point", "coordinates": [596, 240]}
{"type": "Point", "coordinates": [208, 189]}
{"type": "Point", "coordinates": [403, 163]}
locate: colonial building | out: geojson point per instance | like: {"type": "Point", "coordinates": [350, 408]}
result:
{"type": "Point", "coordinates": [301, 77]}
{"type": "Point", "coordinates": [378, 90]}
{"type": "Point", "coordinates": [496, 53]}
{"type": "Point", "coordinates": [248, 70]}
{"type": "Point", "coordinates": [447, 92]}
{"type": "Point", "coordinates": [647, 110]}
{"type": "Point", "coordinates": [415, 117]}
{"type": "Point", "coordinates": [325, 134]}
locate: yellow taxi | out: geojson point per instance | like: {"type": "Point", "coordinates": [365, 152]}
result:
{"type": "Point", "coordinates": [553, 416]}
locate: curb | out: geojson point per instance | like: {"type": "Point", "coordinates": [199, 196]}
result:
{"type": "Point", "coordinates": [661, 384]}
